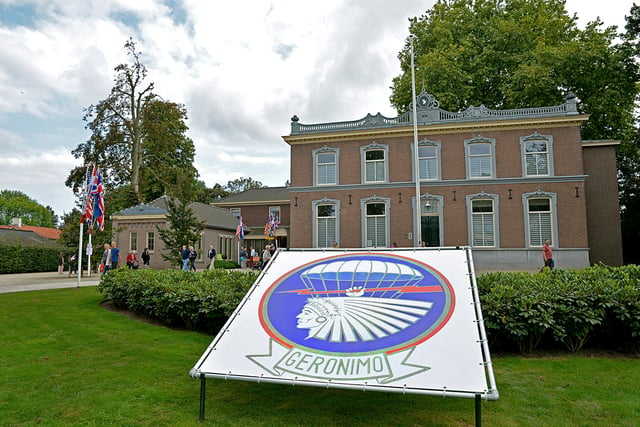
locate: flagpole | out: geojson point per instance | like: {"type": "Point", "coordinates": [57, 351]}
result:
{"type": "Point", "coordinates": [89, 252]}
{"type": "Point", "coordinates": [79, 269]}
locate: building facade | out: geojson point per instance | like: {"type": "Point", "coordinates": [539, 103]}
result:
{"type": "Point", "coordinates": [137, 228]}
{"type": "Point", "coordinates": [500, 181]}
{"type": "Point", "coordinates": [256, 206]}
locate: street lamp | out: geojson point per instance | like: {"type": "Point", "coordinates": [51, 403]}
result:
{"type": "Point", "coordinates": [418, 231]}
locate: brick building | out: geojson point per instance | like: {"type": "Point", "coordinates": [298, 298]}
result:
{"type": "Point", "coordinates": [500, 181]}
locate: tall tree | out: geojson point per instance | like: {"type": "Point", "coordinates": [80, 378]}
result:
{"type": "Point", "coordinates": [520, 53]}
{"type": "Point", "coordinates": [242, 184]}
{"type": "Point", "coordinates": [184, 229]}
{"type": "Point", "coordinates": [167, 153]}
{"type": "Point", "coordinates": [16, 204]}
{"type": "Point", "coordinates": [136, 138]}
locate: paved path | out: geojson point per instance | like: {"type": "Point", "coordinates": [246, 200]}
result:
{"type": "Point", "coordinates": [38, 281]}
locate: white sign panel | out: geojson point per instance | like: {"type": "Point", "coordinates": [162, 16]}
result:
{"type": "Point", "coordinates": [403, 320]}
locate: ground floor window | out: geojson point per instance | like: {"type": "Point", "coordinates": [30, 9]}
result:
{"type": "Point", "coordinates": [133, 241]}
{"type": "Point", "coordinates": [326, 230]}
{"type": "Point", "coordinates": [483, 224]}
{"type": "Point", "coordinates": [151, 241]}
{"type": "Point", "coordinates": [540, 220]}
{"type": "Point", "coordinates": [376, 225]}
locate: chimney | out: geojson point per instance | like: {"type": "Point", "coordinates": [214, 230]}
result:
{"type": "Point", "coordinates": [16, 222]}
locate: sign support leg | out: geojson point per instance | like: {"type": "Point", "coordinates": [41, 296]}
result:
{"type": "Point", "coordinates": [203, 388]}
{"type": "Point", "coordinates": [478, 411]}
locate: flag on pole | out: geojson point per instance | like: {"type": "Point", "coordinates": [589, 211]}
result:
{"type": "Point", "coordinates": [85, 195]}
{"type": "Point", "coordinates": [271, 226]}
{"type": "Point", "coordinates": [98, 203]}
{"type": "Point", "coordinates": [92, 191]}
{"type": "Point", "coordinates": [240, 230]}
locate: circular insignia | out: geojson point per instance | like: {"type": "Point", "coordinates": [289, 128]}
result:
{"type": "Point", "coordinates": [357, 303]}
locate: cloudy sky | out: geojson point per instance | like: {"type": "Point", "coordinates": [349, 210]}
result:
{"type": "Point", "coordinates": [242, 68]}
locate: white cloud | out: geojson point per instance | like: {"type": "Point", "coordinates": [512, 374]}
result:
{"type": "Point", "coordinates": [241, 68]}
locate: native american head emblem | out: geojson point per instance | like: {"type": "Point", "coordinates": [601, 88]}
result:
{"type": "Point", "coordinates": [357, 302]}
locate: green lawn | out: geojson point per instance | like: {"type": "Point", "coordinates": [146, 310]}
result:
{"type": "Point", "coordinates": [65, 360]}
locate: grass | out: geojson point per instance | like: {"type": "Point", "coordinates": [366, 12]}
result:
{"type": "Point", "coordinates": [65, 360]}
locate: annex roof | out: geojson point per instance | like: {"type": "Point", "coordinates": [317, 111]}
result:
{"type": "Point", "coordinates": [263, 195]}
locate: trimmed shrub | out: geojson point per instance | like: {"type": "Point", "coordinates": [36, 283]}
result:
{"type": "Point", "coordinates": [598, 305]}
{"type": "Point", "coordinates": [200, 301]}
{"type": "Point", "coordinates": [28, 259]}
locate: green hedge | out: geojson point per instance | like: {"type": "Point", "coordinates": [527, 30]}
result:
{"type": "Point", "coordinates": [597, 306]}
{"type": "Point", "coordinates": [200, 301]}
{"type": "Point", "coordinates": [28, 259]}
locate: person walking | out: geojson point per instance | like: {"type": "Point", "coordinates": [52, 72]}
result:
{"type": "Point", "coordinates": [61, 263]}
{"type": "Point", "coordinates": [211, 254]}
{"type": "Point", "coordinates": [184, 253]}
{"type": "Point", "coordinates": [266, 256]}
{"type": "Point", "coordinates": [252, 254]}
{"type": "Point", "coordinates": [547, 255]}
{"type": "Point", "coordinates": [146, 257]}
{"type": "Point", "coordinates": [106, 258]}
{"type": "Point", "coordinates": [193, 255]}
{"type": "Point", "coordinates": [115, 256]}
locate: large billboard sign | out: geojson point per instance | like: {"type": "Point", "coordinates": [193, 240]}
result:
{"type": "Point", "coordinates": [403, 320]}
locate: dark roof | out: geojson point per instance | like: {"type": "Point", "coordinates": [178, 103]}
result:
{"type": "Point", "coordinates": [256, 196]}
{"type": "Point", "coordinates": [213, 217]}
{"type": "Point", "coordinates": [24, 237]}
{"type": "Point", "coordinates": [142, 209]}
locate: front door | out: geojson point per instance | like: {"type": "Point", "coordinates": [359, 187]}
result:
{"type": "Point", "coordinates": [430, 227]}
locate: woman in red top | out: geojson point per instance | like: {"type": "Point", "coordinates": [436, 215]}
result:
{"type": "Point", "coordinates": [547, 255]}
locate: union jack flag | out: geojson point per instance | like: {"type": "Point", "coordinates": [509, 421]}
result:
{"type": "Point", "coordinates": [94, 207]}
{"type": "Point", "coordinates": [271, 226]}
{"type": "Point", "coordinates": [240, 230]}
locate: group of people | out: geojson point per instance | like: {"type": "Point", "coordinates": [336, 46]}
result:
{"type": "Point", "coordinates": [111, 258]}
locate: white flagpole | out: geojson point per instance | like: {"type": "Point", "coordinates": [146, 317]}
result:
{"type": "Point", "coordinates": [89, 252]}
{"type": "Point", "coordinates": [82, 218]}
{"type": "Point", "coordinates": [79, 269]}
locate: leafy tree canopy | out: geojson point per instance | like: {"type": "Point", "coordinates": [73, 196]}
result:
{"type": "Point", "coordinates": [138, 139]}
{"type": "Point", "coordinates": [520, 53]}
{"type": "Point", "coordinates": [16, 204]}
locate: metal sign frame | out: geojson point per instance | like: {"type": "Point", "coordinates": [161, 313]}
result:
{"type": "Point", "coordinates": [402, 320]}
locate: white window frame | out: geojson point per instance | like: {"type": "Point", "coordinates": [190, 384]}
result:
{"type": "Point", "coordinates": [152, 246]}
{"type": "Point", "coordinates": [237, 212]}
{"type": "Point", "coordinates": [379, 219]}
{"type": "Point", "coordinates": [548, 155]}
{"type": "Point", "coordinates": [470, 159]}
{"type": "Point", "coordinates": [133, 241]}
{"type": "Point", "coordinates": [321, 176]}
{"type": "Point", "coordinates": [422, 161]}
{"type": "Point", "coordinates": [379, 164]}
{"type": "Point", "coordinates": [316, 222]}
{"type": "Point", "coordinates": [535, 237]}
{"type": "Point", "coordinates": [484, 216]}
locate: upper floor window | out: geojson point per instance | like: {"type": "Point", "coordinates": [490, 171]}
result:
{"type": "Point", "coordinates": [274, 211]}
{"type": "Point", "coordinates": [480, 153]}
{"type": "Point", "coordinates": [325, 166]}
{"type": "Point", "coordinates": [429, 160]}
{"type": "Point", "coordinates": [235, 212]}
{"type": "Point", "coordinates": [536, 152]}
{"type": "Point", "coordinates": [374, 159]}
